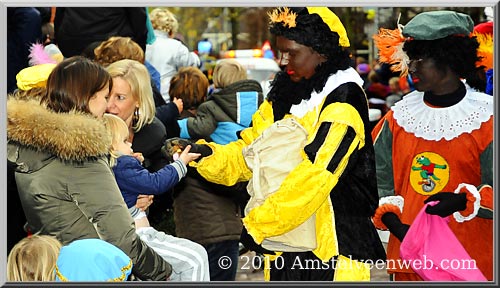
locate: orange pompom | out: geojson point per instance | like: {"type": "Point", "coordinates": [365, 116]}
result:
{"type": "Point", "coordinates": [381, 210]}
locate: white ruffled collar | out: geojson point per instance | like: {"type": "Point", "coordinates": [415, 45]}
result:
{"type": "Point", "coordinates": [416, 117]}
{"type": "Point", "coordinates": [334, 81]}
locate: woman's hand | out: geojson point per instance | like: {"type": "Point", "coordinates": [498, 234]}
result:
{"type": "Point", "coordinates": [144, 201]}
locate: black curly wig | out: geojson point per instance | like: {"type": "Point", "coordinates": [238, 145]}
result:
{"type": "Point", "coordinates": [312, 32]}
{"type": "Point", "coordinates": [457, 52]}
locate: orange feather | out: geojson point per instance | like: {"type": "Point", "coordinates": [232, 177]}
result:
{"type": "Point", "coordinates": [390, 46]}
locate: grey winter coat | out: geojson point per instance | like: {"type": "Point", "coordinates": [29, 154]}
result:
{"type": "Point", "coordinates": [66, 186]}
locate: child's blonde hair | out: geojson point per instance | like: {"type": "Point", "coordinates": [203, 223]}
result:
{"type": "Point", "coordinates": [118, 130]}
{"type": "Point", "coordinates": [228, 71]}
{"type": "Point", "coordinates": [33, 259]}
{"type": "Point", "coordinates": [164, 20]}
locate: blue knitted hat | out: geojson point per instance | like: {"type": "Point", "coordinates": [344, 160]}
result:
{"type": "Point", "coordinates": [92, 260]}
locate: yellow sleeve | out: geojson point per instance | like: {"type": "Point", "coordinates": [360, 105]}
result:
{"type": "Point", "coordinates": [307, 188]}
{"type": "Point", "coordinates": [227, 165]}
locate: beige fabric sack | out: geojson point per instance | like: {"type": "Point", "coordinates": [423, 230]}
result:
{"type": "Point", "coordinates": [271, 157]}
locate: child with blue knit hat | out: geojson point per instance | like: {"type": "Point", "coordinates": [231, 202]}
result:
{"type": "Point", "coordinates": [92, 260]}
{"type": "Point", "coordinates": [44, 258]}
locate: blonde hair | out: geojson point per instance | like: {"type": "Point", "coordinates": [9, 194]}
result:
{"type": "Point", "coordinates": [394, 81]}
{"type": "Point", "coordinates": [118, 48]}
{"type": "Point", "coordinates": [190, 85]}
{"type": "Point", "coordinates": [228, 71]}
{"type": "Point", "coordinates": [118, 130]}
{"type": "Point", "coordinates": [164, 20]}
{"type": "Point", "coordinates": [33, 259]}
{"type": "Point", "coordinates": [137, 76]}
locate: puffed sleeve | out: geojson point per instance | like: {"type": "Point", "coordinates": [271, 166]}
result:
{"type": "Point", "coordinates": [341, 132]}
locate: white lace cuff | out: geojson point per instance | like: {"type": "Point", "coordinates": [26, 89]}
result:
{"type": "Point", "coordinates": [394, 200]}
{"type": "Point", "coordinates": [477, 202]}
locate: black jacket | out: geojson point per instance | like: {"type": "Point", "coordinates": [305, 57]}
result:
{"type": "Point", "coordinates": [23, 29]}
{"type": "Point", "coordinates": [77, 27]}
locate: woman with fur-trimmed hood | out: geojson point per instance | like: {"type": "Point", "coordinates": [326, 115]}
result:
{"type": "Point", "coordinates": [60, 147]}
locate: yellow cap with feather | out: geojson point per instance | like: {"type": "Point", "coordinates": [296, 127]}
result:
{"type": "Point", "coordinates": [34, 76]}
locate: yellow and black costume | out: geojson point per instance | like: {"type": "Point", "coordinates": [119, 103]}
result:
{"type": "Point", "coordinates": [336, 180]}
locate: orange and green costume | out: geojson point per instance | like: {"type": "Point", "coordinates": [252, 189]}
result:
{"type": "Point", "coordinates": [422, 150]}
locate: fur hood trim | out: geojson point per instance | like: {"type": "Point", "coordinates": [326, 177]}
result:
{"type": "Point", "coordinates": [69, 136]}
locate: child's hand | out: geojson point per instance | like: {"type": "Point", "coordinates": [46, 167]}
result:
{"type": "Point", "coordinates": [138, 156]}
{"type": "Point", "coordinates": [180, 105]}
{"type": "Point", "coordinates": [187, 157]}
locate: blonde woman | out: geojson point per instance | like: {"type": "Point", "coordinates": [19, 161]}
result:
{"type": "Point", "coordinates": [167, 54]}
{"type": "Point", "coordinates": [189, 260]}
{"type": "Point", "coordinates": [131, 99]}
{"type": "Point", "coordinates": [118, 48]}
{"type": "Point", "coordinates": [33, 259]}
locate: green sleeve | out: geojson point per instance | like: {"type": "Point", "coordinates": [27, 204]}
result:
{"type": "Point", "coordinates": [486, 160]}
{"type": "Point", "coordinates": [383, 161]}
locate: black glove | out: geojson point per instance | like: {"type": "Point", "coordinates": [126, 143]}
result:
{"type": "Point", "coordinates": [172, 145]}
{"type": "Point", "coordinates": [247, 241]}
{"type": "Point", "coordinates": [394, 225]}
{"type": "Point", "coordinates": [449, 203]}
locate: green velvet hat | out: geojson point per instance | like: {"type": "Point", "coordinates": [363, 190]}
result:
{"type": "Point", "coordinates": [438, 24]}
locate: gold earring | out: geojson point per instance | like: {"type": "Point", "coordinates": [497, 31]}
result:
{"type": "Point", "coordinates": [135, 117]}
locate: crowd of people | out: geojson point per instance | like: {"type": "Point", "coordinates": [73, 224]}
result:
{"type": "Point", "coordinates": [120, 125]}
